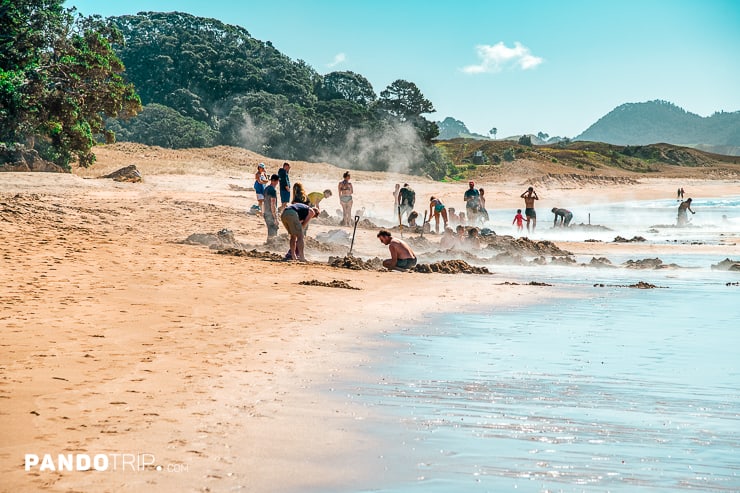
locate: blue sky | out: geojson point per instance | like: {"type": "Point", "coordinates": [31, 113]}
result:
{"type": "Point", "coordinates": [522, 67]}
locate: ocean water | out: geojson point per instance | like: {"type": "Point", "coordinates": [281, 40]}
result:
{"type": "Point", "coordinates": [613, 390]}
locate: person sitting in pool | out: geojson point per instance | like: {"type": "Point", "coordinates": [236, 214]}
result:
{"type": "Point", "coordinates": [402, 256]}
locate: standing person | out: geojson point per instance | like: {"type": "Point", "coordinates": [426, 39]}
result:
{"type": "Point", "coordinates": [472, 202]}
{"type": "Point", "coordinates": [315, 198]}
{"type": "Point", "coordinates": [483, 210]}
{"type": "Point", "coordinates": [564, 215]}
{"type": "Point", "coordinates": [260, 180]}
{"type": "Point", "coordinates": [299, 194]}
{"type": "Point", "coordinates": [436, 209]}
{"type": "Point", "coordinates": [346, 190]}
{"type": "Point", "coordinates": [681, 193]}
{"type": "Point", "coordinates": [270, 213]}
{"type": "Point", "coordinates": [284, 185]}
{"type": "Point", "coordinates": [529, 197]}
{"type": "Point", "coordinates": [678, 194]}
{"type": "Point", "coordinates": [683, 218]}
{"type": "Point", "coordinates": [519, 220]}
{"type": "Point", "coordinates": [406, 199]}
{"type": "Point", "coordinates": [295, 217]}
{"type": "Point", "coordinates": [402, 256]}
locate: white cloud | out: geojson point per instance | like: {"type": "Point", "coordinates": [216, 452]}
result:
{"type": "Point", "coordinates": [338, 58]}
{"type": "Point", "coordinates": [494, 58]}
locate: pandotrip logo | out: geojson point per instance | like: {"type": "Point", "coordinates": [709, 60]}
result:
{"type": "Point", "coordinates": [123, 462]}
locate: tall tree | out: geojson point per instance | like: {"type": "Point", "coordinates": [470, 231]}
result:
{"type": "Point", "coordinates": [346, 85]}
{"type": "Point", "coordinates": [60, 80]}
{"type": "Point", "coordinates": [493, 132]}
{"type": "Point", "coordinates": [404, 100]}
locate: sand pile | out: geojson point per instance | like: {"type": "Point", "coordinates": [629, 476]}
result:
{"type": "Point", "coordinates": [451, 267]}
{"type": "Point", "coordinates": [219, 241]}
{"type": "Point", "coordinates": [522, 246]}
{"type": "Point", "coordinates": [588, 227]}
{"type": "Point", "coordinates": [239, 252]}
{"type": "Point", "coordinates": [356, 263]}
{"type": "Point", "coordinates": [333, 284]}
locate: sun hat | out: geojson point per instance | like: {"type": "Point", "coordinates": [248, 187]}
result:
{"type": "Point", "coordinates": [261, 165]}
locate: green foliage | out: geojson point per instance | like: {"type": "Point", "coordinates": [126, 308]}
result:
{"type": "Point", "coordinates": [59, 80]}
{"type": "Point", "coordinates": [525, 140]}
{"type": "Point", "coordinates": [251, 95]}
{"type": "Point", "coordinates": [157, 124]}
{"type": "Point", "coordinates": [508, 154]}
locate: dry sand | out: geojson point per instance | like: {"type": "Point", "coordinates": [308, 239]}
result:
{"type": "Point", "coordinates": [118, 339]}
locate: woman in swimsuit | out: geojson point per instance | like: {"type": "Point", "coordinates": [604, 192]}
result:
{"type": "Point", "coordinates": [345, 198]}
{"type": "Point", "coordinates": [437, 208]}
{"type": "Point", "coordinates": [260, 180]}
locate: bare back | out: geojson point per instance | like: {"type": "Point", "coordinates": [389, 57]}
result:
{"type": "Point", "coordinates": [400, 249]}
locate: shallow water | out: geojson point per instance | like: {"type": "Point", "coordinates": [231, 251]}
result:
{"type": "Point", "coordinates": [617, 389]}
{"type": "Point", "coordinates": [624, 390]}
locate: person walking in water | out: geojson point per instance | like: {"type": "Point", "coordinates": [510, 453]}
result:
{"type": "Point", "coordinates": [683, 217]}
{"type": "Point", "coordinates": [345, 198]}
{"type": "Point", "coordinates": [519, 220]}
{"type": "Point", "coordinates": [529, 197]}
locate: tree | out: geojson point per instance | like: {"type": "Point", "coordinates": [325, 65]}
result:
{"type": "Point", "coordinates": [525, 140]}
{"type": "Point", "coordinates": [346, 85]}
{"type": "Point", "coordinates": [59, 81]}
{"type": "Point", "coordinates": [542, 136]}
{"type": "Point", "coordinates": [404, 100]}
{"type": "Point", "coordinates": [493, 132]}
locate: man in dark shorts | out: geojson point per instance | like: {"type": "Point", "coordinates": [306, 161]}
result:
{"type": "Point", "coordinates": [284, 185]}
{"type": "Point", "coordinates": [402, 256]}
{"type": "Point", "coordinates": [270, 207]}
{"type": "Point", "coordinates": [564, 215]}
{"type": "Point", "coordinates": [529, 197]}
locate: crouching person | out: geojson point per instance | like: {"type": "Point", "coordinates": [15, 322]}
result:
{"type": "Point", "coordinates": [402, 256]}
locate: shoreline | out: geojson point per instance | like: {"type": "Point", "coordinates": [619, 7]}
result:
{"type": "Point", "coordinates": [120, 340]}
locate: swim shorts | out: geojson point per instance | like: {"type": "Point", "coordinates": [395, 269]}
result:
{"type": "Point", "coordinates": [529, 212]}
{"type": "Point", "coordinates": [406, 263]}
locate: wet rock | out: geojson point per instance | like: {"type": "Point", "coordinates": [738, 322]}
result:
{"type": "Point", "coordinates": [522, 246]}
{"type": "Point", "coordinates": [635, 239]}
{"type": "Point", "coordinates": [649, 263]}
{"type": "Point", "coordinates": [562, 261]}
{"type": "Point", "coordinates": [727, 264]}
{"type": "Point", "coordinates": [601, 262]}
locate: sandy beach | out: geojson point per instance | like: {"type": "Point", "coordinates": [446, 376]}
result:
{"type": "Point", "coordinates": [215, 372]}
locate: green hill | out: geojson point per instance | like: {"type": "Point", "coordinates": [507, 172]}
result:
{"type": "Point", "coordinates": [660, 121]}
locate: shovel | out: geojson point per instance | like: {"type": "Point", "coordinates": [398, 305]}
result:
{"type": "Point", "coordinates": [351, 245]}
{"type": "Point", "coordinates": [423, 224]}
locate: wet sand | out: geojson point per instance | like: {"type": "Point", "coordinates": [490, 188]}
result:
{"type": "Point", "coordinates": [118, 339]}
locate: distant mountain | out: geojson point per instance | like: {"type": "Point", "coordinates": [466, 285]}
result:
{"type": "Point", "coordinates": [449, 128]}
{"type": "Point", "coordinates": [660, 121]}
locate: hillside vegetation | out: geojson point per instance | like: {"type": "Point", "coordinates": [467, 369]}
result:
{"type": "Point", "coordinates": [508, 159]}
{"type": "Point", "coordinates": [661, 121]}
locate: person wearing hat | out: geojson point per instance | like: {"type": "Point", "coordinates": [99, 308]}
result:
{"type": "Point", "coordinates": [260, 180]}
{"type": "Point", "coordinates": [472, 202]}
